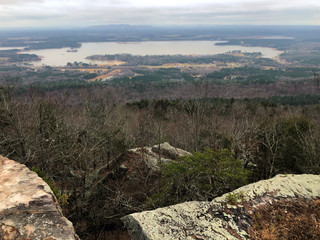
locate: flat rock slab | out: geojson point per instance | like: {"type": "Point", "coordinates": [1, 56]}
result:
{"type": "Point", "coordinates": [219, 219]}
{"type": "Point", "coordinates": [28, 208]}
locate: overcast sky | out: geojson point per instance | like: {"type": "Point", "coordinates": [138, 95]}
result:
{"type": "Point", "coordinates": [38, 13]}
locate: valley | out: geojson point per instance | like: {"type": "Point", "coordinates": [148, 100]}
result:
{"type": "Point", "coordinates": [98, 112]}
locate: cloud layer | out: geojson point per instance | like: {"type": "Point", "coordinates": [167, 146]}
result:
{"type": "Point", "coordinates": [21, 13]}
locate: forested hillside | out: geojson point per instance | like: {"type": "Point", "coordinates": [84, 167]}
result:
{"type": "Point", "coordinates": [71, 135]}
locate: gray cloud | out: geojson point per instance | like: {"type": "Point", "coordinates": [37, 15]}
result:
{"type": "Point", "coordinates": [83, 12]}
{"type": "Point", "coordinates": [19, 2]}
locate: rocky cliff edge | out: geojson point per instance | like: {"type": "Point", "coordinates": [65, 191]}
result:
{"type": "Point", "coordinates": [28, 208]}
{"type": "Point", "coordinates": [226, 217]}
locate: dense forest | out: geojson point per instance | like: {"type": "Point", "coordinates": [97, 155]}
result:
{"type": "Point", "coordinates": [68, 135]}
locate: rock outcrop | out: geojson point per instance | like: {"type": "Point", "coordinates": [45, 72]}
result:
{"type": "Point", "coordinates": [139, 169]}
{"type": "Point", "coordinates": [127, 181]}
{"type": "Point", "coordinates": [137, 163]}
{"type": "Point", "coordinates": [226, 217]}
{"type": "Point", "coordinates": [28, 208]}
{"type": "Point", "coordinates": [154, 156]}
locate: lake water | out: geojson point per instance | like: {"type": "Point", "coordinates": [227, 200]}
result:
{"type": "Point", "coordinates": [9, 48]}
{"type": "Point", "coordinates": [60, 57]}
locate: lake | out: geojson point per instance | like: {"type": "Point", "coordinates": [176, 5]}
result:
{"type": "Point", "coordinates": [60, 57]}
{"type": "Point", "coordinates": [9, 48]}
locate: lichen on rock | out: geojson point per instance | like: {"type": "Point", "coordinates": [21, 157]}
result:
{"type": "Point", "coordinates": [220, 219]}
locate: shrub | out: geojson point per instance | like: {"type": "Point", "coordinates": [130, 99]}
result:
{"type": "Point", "coordinates": [48, 180]}
{"type": "Point", "coordinates": [233, 198]}
{"type": "Point", "coordinates": [201, 176]}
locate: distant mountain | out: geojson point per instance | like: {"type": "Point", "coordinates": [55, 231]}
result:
{"type": "Point", "coordinates": [120, 27]}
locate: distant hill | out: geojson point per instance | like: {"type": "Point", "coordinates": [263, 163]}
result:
{"type": "Point", "coordinates": [120, 27]}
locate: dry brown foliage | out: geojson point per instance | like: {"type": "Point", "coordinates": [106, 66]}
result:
{"type": "Point", "coordinates": [287, 219]}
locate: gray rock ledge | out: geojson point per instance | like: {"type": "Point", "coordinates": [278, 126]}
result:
{"type": "Point", "coordinates": [218, 219]}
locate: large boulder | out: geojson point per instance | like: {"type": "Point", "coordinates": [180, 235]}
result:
{"type": "Point", "coordinates": [154, 156]}
{"type": "Point", "coordinates": [226, 217]}
{"type": "Point", "coordinates": [136, 163]}
{"type": "Point", "coordinates": [28, 208]}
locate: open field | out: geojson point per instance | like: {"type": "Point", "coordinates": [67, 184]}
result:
{"type": "Point", "coordinates": [183, 66]}
{"type": "Point", "coordinates": [111, 63]}
{"type": "Point", "coordinates": [90, 70]}
{"type": "Point", "coordinates": [106, 76]}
